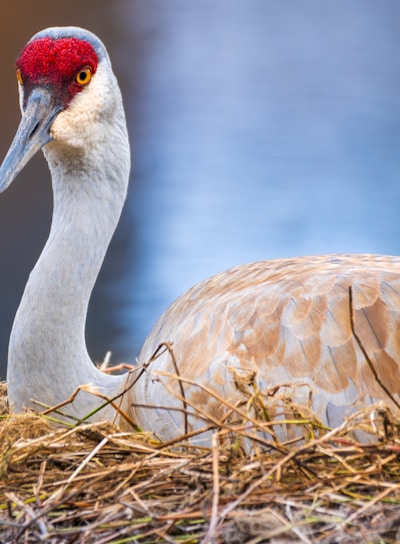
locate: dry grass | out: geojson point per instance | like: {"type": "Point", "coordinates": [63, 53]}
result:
{"type": "Point", "coordinates": [95, 484]}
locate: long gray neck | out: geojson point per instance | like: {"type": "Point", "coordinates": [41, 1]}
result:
{"type": "Point", "coordinates": [48, 358]}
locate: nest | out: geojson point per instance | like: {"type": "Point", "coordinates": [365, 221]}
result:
{"type": "Point", "coordinates": [92, 483]}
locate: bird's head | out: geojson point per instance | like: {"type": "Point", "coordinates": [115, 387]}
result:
{"type": "Point", "coordinates": [67, 91]}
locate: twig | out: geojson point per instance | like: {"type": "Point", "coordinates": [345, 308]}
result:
{"type": "Point", "coordinates": [212, 529]}
{"type": "Point", "coordinates": [369, 362]}
{"type": "Point", "coordinates": [168, 346]}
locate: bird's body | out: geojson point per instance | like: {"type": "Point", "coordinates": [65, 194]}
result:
{"type": "Point", "coordinates": [311, 325]}
{"type": "Point", "coordinates": [323, 329]}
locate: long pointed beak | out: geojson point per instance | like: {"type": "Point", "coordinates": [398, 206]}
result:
{"type": "Point", "coordinates": [32, 134]}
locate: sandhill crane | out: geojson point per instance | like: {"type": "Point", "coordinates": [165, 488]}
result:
{"type": "Point", "coordinates": [328, 328]}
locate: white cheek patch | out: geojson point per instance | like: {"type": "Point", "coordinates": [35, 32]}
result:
{"type": "Point", "coordinates": [21, 97]}
{"type": "Point", "coordinates": [84, 118]}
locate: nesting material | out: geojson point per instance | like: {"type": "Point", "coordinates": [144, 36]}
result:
{"type": "Point", "coordinates": [92, 483]}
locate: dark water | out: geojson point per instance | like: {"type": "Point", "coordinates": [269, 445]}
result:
{"type": "Point", "coordinates": [258, 131]}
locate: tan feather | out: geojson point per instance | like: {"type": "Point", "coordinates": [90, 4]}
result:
{"type": "Point", "coordinates": [321, 321]}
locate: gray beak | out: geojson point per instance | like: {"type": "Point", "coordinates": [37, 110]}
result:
{"type": "Point", "coordinates": [32, 134]}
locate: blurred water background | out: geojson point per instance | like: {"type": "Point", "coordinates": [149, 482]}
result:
{"type": "Point", "coordinates": [259, 129]}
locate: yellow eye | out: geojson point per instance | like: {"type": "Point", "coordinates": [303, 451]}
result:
{"type": "Point", "coordinates": [19, 77]}
{"type": "Point", "coordinates": [84, 76]}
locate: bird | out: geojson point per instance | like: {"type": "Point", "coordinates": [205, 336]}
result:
{"type": "Point", "coordinates": [321, 332]}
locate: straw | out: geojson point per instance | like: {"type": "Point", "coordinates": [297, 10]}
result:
{"type": "Point", "coordinates": [92, 483]}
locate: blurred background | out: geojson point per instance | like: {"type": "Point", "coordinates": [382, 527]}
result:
{"type": "Point", "coordinates": [259, 130]}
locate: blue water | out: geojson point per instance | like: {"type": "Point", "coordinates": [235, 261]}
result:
{"type": "Point", "coordinates": [261, 133]}
{"type": "Point", "coordinates": [258, 131]}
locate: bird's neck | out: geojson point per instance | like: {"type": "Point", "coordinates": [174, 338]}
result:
{"type": "Point", "coordinates": [48, 359]}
